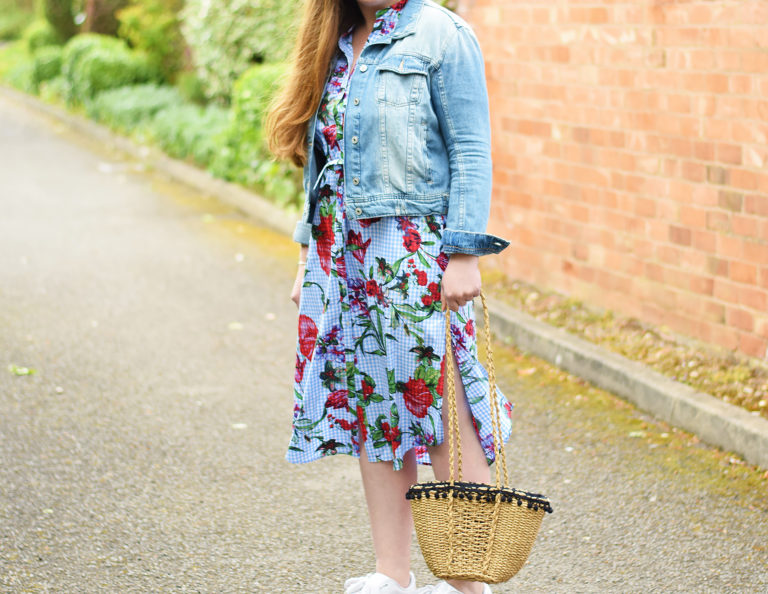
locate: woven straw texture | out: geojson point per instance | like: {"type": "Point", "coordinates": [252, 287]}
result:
{"type": "Point", "coordinates": [471, 531]}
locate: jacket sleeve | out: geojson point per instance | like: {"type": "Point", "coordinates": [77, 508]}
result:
{"type": "Point", "coordinates": [460, 100]}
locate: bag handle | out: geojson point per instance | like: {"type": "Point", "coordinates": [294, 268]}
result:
{"type": "Point", "coordinates": [454, 437]}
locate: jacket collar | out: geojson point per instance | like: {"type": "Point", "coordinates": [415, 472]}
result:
{"type": "Point", "coordinates": [406, 24]}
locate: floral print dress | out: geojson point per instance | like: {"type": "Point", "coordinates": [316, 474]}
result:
{"type": "Point", "coordinates": [371, 336]}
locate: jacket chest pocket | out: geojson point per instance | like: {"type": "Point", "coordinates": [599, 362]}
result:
{"type": "Point", "coordinates": [401, 81]}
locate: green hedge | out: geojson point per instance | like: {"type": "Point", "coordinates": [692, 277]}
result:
{"type": "Point", "coordinates": [93, 63]}
{"type": "Point", "coordinates": [46, 64]}
{"type": "Point", "coordinates": [244, 156]}
{"type": "Point", "coordinates": [13, 22]}
{"type": "Point", "coordinates": [40, 34]}
{"type": "Point", "coordinates": [131, 107]}
{"type": "Point", "coordinates": [190, 131]}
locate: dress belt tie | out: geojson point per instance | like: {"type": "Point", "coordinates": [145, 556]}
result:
{"type": "Point", "coordinates": [322, 171]}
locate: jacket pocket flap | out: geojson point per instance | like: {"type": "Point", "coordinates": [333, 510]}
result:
{"type": "Point", "coordinates": [403, 64]}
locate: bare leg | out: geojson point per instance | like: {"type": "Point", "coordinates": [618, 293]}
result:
{"type": "Point", "coordinates": [390, 513]}
{"type": "Point", "coordinates": [474, 464]}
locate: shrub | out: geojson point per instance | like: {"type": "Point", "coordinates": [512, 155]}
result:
{"type": "Point", "coordinates": [244, 156]}
{"type": "Point", "coordinates": [104, 69]}
{"type": "Point", "coordinates": [40, 34]}
{"type": "Point", "coordinates": [46, 64]}
{"type": "Point", "coordinates": [153, 27]}
{"type": "Point", "coordinates": [228, 36]}
{"type": "Point", "coordinates": [55, 90]}
{"type": "Point", "coordinates": [11, 55]}
{"type": "Point", "coordinates": [13, 22]}
{"type": "Point", "coordinates": [191, 87]}
{"type": "Point", "coordinates": [94, 63]}
{"type": "Point", "coordinates": [81, 45]}
{"type": "Point", "coordinates": [128, 108]}
{"type": "Point", "coordinates": [190, 131]}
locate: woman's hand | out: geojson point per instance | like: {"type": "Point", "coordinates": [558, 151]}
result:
{"type": "Point", "coordinates": [299, 281]}
{"type": "Point", "coordinates": [461, 281]}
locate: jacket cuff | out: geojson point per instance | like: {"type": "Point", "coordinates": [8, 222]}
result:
{"type": "Point", "coordinates": [302, 233]}
{"type": "Point", "coordinates": [468, 242]}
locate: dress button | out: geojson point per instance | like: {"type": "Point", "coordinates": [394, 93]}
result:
{"type": "Point", "coordinates": [357, 101]}
{"type": "Point", "coordinates": [356, 180]}
{"type": "Point", "coordinates": [354, 140]}
{"type": "Point", "coordinates": [358, 211]}
{"type": "Point", "coordinates": [363, 67]}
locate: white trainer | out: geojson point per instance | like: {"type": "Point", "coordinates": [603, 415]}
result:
{"type": "Point", "coordinates": [443, 587]}
{"type": "Point", "coordinates": [378, 583]}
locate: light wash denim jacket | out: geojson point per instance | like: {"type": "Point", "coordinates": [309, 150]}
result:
{"type": "Point", "coordinates": [417, 134]}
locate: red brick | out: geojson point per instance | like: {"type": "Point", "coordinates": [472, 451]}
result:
{"type": "Point", "coordinates": [753, 345]}
{"type": "Point", "coordinates": [756, 204]}
{"type": "Point", "coordinates": [756, 299]}
{"type": "Point", "coordinates": [756, 253]}
{"type": "Point", "coordinates": [740, 318]}
{"type": "Point", "coordinates": [717, 266]}
{"type": "Point", "coordinates": [702, 285]}
{"type": "Point", "coordinates": [743, 273]}
{"type": "Point", "coordinates": [705, 241]}
{"type": "Point", "coordinates": [679, 235]}
{"type": "Point", "coordinates": [718, 221]}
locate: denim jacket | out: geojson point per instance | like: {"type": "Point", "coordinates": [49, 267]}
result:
{"type": "Point", "coordinates": [417, 134]}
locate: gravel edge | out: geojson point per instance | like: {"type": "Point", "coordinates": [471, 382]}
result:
{"type": "Point", "coordinates": [716, 422]}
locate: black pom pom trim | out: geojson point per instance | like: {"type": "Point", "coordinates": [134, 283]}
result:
{"type": "Point", "coordinates": [479, 492]}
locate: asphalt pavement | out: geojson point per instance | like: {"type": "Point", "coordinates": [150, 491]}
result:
{"type": "Point", "coordinates": [146, 451]}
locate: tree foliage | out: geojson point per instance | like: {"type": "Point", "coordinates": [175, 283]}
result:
{"type": "Point", "coordinates": [228, 36]}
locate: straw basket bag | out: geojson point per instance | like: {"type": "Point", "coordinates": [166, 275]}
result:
{"type": "Point", "coordinates": [474, 531]}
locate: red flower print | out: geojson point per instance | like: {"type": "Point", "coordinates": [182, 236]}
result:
{"type": "Point", "coordinates": [426, 300]}
{"type": "Point", "coordinates": [469, 327]}
{"type": "Point", "coordinates": [344, 424]}
{"type": "Point", "coordinates": [442, 261]}
{"type": "Point", "coordinates": [368, 222]}
{"type": "Point", "coordinates": [299, 374]}
{"type": "Point", "coordinates": [399, 5]}
{"type": "Point", "coordinates": [434, 288]}
{"type": "Point", "coordinates": [508, 408]}
{"type": "Point", "coordinates": [421, 277]}
{"type": "Point", "coordinates": [324, 242]}
{"type": "Point", "coordinates": [337, 399]}
{"type": "Point", "coordinates": [417, 397]}
{"type": "Point", "coordinates": [411, 240]}
{"type": "Point", "coordinates": [367, 389]}
{"type": "Point", "coordinates": [442, 375]}
{"type": "Point", "coordinates": [307, 336]}
{"type": "Point", "coordinates": [391, 434]}
{"type": "Point", "coordinates": [330, 136]}
{"type": "Point", "coordinates": [341, 266]}
{"type": "Point", "coordinates": [372, 288]}
{"type": "Point", "coordinates": [361, 424]}
{"type": "Point", "coordinates": [357, 246]}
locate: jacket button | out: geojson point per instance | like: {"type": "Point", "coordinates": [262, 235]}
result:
{"type": "Point", "coordinates": [356, 180]}
{"type": "Point", "coordinates": [357, 101]}
{"type": "Point", "coordinates": [358, 211]}
{"type": "Point", "coordinates": [354, 140]}
{"type": "Point", "coordinates": [363, 67]}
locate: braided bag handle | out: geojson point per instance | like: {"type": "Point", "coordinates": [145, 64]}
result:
{"type": "Point", "coordinates": [454, 437]}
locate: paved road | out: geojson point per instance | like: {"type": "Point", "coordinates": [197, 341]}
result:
{"type": "Point", "coordinates": [146, 453]}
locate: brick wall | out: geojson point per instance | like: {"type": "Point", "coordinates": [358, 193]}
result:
{"type": "Point", "coordinates": [631, 156]}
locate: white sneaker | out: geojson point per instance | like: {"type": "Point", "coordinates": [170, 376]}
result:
{"type": "Point", "coordinates": [443, 587]}
{"type": "Point", "coordinates": [378, 583]}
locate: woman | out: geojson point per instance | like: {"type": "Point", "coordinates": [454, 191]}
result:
{"type": "Point", "coordinates": [386, 110]}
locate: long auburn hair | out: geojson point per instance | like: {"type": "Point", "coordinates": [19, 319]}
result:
{"type": "Point", "coordinates": [322, 22]}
